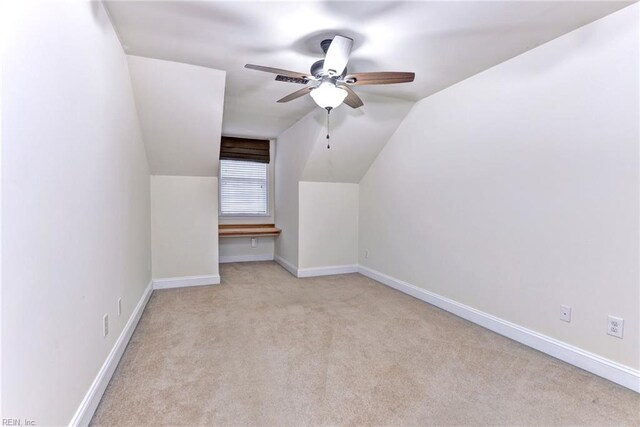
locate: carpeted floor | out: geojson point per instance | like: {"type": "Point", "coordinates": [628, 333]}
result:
{"type": "Point", "coordinates": [265, 348]}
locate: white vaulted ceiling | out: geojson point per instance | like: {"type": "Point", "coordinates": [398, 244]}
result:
{"type": "Point", "coordinates": [357, 136]}
{"type": "Point", "coordinates": [442, 42]}
{"type": "Point", "coordinates": [180, 112]}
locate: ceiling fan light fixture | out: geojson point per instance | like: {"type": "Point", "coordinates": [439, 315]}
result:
{"type": "Point", "coordinates": [328, 95]}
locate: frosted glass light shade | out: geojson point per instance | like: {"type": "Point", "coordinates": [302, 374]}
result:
{"type": "Point", "coordinates": [328, 95]}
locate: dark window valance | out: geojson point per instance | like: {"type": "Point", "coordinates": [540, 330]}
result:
{"type": "Point", "coordinates": [251, 150]}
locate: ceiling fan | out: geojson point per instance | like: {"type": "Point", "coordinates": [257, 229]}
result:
{"type": "Point", "coordinates": [335, 82]}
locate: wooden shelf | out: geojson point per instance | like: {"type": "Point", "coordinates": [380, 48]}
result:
{"type": "Point", "coordinates": [249, 230]}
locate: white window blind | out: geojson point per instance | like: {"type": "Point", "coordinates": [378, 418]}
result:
{"type": "Point", "coordinates": [243, 188]}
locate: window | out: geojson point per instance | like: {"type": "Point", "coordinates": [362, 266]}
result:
{"type": "Point", "coordinates": [243, 188]}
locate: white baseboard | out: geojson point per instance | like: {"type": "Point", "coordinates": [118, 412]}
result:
{"type": "Point", "coordinates": [315, 271]}
{"type": "Point", "coordinates": [88, 406]}
{"type": "Point", "coordinates": [245, 258]}
{"type": "Point", "coordinates": [620, 374]}
{"type": "Point", "coordinates": [183, 282]}
{"type": "Point", "coordinates": [327, 271]}
{"type": "Point", "coordinates": [286, 265]}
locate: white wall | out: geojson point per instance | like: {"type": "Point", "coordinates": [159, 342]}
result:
{"type": "Point", "coordinates": [75, 212]}
{"type": "Point", "coordinates": [180, 108]}
{"type": "Point", "coordinates": [294, 146]}
{"type": "Point", "coordinates": [517, 190]}
{"type": "Point", "coordinates": [184, 226]}
{"type": "Point", "coordinates": [238, 249]}
{"type": "Point", "coordinates": [357, 136]}
{"type": "Point", "coordinates": [328, 224]}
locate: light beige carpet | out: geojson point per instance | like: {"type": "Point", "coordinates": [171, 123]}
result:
{"type": "Point", "coordinates": [265, 348]}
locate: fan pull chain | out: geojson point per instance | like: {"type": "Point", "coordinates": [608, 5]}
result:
{"type": "Point", "coordinates": [328, 122]}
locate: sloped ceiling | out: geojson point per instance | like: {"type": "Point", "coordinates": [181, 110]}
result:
{"type": "Point", "coordinates": [356, 138]}
{"type": "Point", "coordinates": [180, 112]}
{"type": "Point", "coordinates": [443, 42]}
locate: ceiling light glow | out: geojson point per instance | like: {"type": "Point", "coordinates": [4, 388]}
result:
{"type": "Point", "coordinates": [328, 95]}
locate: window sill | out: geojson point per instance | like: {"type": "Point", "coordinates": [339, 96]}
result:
{"type": "Point", "coordinates": [243, 216]}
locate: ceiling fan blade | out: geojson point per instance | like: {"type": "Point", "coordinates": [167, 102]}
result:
{"type": "Point", "coordinates": [379, 78]}
{"type": "Point", "coordinates": [296, 94]}
{"type": "Point", "coordinates": [352, 99]}
{"type": "Point", "coordinates": [337, 55]}
{"type": "Point", "coordinates": [281, 78]}
{"type": "Point", "coordinates": [293, 74]}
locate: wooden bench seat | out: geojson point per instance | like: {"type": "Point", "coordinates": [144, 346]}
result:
{"type": "Point", "coordinates": [249, 230]}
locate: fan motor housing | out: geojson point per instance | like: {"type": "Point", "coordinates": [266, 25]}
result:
{"type": "Point", "coordinates": [316, 68]}
{"type": "Point", "coordinates": [318, 72]}
{"type": "Point", "coordinates": [324, 44]}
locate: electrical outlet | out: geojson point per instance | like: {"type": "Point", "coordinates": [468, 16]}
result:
{"type": "Point", "coordinates": [254, 242]}
{"type": "Point", "coordinates": [105, 325]}
{"type": "Point", "coordinates": [366, 253]}
{"type": "Point", "coordinates": [119, 306]}
{"type": "Point", "coordinates": [615, 325]}
{"type": "Point", "coordinates": [565, 313]}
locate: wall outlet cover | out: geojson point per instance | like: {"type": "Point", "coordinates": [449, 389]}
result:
{"type": "Point", "coordinates": [615, 326]}
{"type": "Point", "coordinates": [565, 313]}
